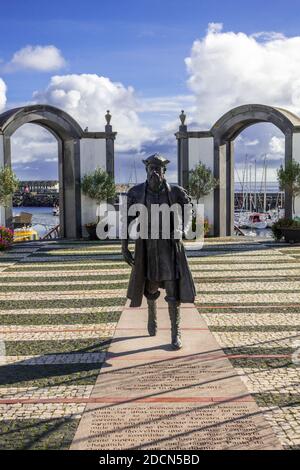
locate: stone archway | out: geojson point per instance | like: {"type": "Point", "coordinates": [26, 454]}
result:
{"type": "Point", "coordinates": [215, 148]}
{"type": "Point", "coordinates": [68, 134]}
{"type": "Point", "coordinates": [224, 131]}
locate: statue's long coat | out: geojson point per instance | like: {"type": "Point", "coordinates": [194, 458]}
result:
{"type": "Point", "coordinates": [137, 281]}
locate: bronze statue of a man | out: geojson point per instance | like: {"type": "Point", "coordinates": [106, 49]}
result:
{"type": "Point", "coordinates": [159, 262]}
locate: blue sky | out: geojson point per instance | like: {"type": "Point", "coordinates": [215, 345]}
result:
{"type": "Point", "coordinates": [140, 44]}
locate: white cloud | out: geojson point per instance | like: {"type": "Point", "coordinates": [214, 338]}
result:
{"type": "Point", "coordinates": [31, 143]}
{"type": "Point", "coordinates": [241, 139]}
{"type": "Point", "coordinates": [86, 98]}
{"type": "Point", "coordinates": [167, 104]}
{"type": "Point", "coordinates": [251, 143]}
{"type": "Point", "coordinates": [227, 69]}
{"type": "Point", "coordinates": [40, 58]}
{"type": "Point", "coordinates": [267, 35]}
{"type": "Point", "coordinates": [276, 146]}
{"type": "Point", "coordinates": [214, 28]}
{"type": "Point", "coordinates": [2, 94]}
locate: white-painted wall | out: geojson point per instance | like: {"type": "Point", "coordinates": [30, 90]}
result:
{"type": "Point", "coordinates": [296, 156]}
{"type": "Point", "coordinates": [202, 150]}
{"type": "Point", "coordinates": [2, 209]}
{"type": "Point", "coordinates": [92, 155]}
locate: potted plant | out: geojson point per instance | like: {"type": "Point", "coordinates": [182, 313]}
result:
{"type": "Point", "coordinates": [201, 183]}
{"type": "Point", "coordinates": [8, 185]}
{"type": "Point", "coordinates": [100, 187]}
{"type": "Point", "coordinates": [287, 228]}
{"type": "Point", "coordinates": [206, 226]}
{"type": "Point", "coordinates": [289, 179]}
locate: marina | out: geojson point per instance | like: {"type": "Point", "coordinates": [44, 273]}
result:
{"type": "Point", "coordinates": [43, 219]}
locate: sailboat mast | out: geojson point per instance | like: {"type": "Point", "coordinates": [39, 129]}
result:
{"type": "Point", "coordinates": [265, 186]}
{"type": "Point", "coordinates": [246, 183]}
{"type": "Point", "coordinates": [255, 200]}
{"type": "Point", "coordinates": [250, 188]}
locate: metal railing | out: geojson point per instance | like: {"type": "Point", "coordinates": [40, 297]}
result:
{"type": "Point", "coordinates": [53, 233]}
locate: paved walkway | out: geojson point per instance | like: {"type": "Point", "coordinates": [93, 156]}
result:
{"type": "Point", "coordinates": [150, 397]}
{"type": "Point", "coordinates": [59, 306]}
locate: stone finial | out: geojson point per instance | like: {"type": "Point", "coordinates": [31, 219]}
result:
{"type": "Point", "coordinates": [108, 117]}
{"type": "Point", "coordinates": [182, 117]}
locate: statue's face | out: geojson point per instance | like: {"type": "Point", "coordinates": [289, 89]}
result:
{"type": "Point", "coordinates": [155, 175]}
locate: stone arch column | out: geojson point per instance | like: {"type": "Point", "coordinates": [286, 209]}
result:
{"type": "Point", "coordinates": [78, 152]}
{"type": "Point", "coordinates": [68, 134]}
{"type": "Point", "coordinates": [96, 150]}
{"type": "Point", "coordinates": [215, 148]}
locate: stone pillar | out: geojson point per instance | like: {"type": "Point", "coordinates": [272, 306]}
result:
{"type": "Point", "coordinates": [96, 150]}
{"type": "Point", "coordinates": [71, 189]}
{"type": "Point", "coordinates": [5, 159]}
{"type": "Point", "coordinates": [2, 209]}
{"type": "Point", "coordinates": [110, 147]}
{"type": "Point", "coordinates": [230, 187]}
{"type": "Point", "coordinates": [182, 152]}
{"type": "Point", "coordinates": [296, 157]}
{"type": "Point", "coordinates": [220, 196]}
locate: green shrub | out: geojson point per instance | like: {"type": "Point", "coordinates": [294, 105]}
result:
{"type": "Point", "coordinates": [9, 184]}
{"type": "Point", "coordinates": [281, 223]}
{"type": "Point", "coordinates": [98, 185]}
{"type": "Point", "coordinates": [201, 181]}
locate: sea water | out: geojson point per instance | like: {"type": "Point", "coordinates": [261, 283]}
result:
{"type": "Point", "coordinates": [42, 218]}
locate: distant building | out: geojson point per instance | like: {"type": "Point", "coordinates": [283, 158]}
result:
{"type": "Point", "coordinates": [39, 186]}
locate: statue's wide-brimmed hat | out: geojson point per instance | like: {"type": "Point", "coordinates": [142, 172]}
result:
{"type": "Point", "coordinates": [156, 159]}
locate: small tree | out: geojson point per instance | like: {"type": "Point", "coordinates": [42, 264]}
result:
{"type": "Point", "coordinates": [98, 185]}
{"type": "Point", "coordinates": [9, 183]}
{"type": "Point", "coordinates": [201, 181]}
{"type": "Point", "coordinates": [289, 179]}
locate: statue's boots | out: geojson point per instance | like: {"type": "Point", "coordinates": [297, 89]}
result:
{"type": "Point", "coordinates": [174, 313]}
{"type": "Point", "coordinates": [152, 317]}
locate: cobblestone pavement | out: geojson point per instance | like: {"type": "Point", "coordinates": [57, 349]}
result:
{"type": "Point", "coordinates": [59, 304]}
{"type": "Point", "coordinates": [57, 316]}
{"type": "Point", "coordinates": [251, 303]}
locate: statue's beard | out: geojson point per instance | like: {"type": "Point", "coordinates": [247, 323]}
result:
{"type": "Point", "coordinates": [155, 181]}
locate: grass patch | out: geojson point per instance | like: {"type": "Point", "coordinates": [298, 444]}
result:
{"type": "Point", "coordinates": [40, 287]}
{"type": "Point", "coordinates": [84, 266]}
{"type": "Point", "coordinates": [230, 279]}
{"type": "Point", "coordinates": [263, 363]}
{"type": "Point", "coordinates": [60, 303]}
{"type": "Point", "coordinates": [238, 309]}
{"type": "Point", "coordinates": [242, 304]}
{"type": "Point", "coordinates": [74, 256]}
{"type": "Point", "coordinates": [48, 375]}
{"type": "Point", "coordinates": [239, 263]}
{"type": "Point", "coordinates": [66, 346]}
{"type": "Point", "coordinates": [254, 328]}
{"type": "Point", "coordinates": [34, 434]}
{"type": "Point", "coordinates": [60, 319]}
{"type": "Point", "coordinates": [69, 346]}
{"type": "Point", "coordinates": [277, 399]}
{"type": "Point", "coordinates": [259, 350]}
{"type": "Point", "coordinates": [250, 291]}
{"type": "Point", "coordinates": [51, 278]}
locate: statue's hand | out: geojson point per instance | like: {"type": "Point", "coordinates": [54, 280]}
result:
{"type": "Point", "coordinates": [127, 255]}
